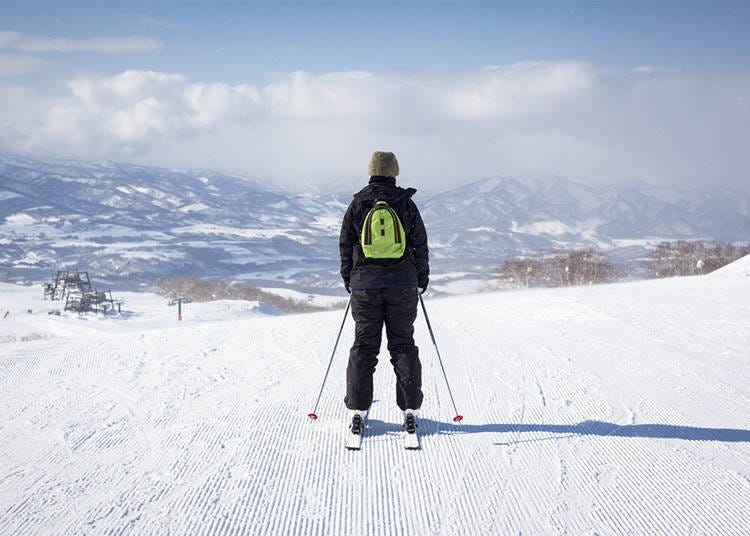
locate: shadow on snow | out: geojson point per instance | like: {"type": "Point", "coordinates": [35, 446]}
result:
{"type": "Point", "coordinates": [428, 427]}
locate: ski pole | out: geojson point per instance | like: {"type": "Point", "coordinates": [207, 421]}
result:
{"type": "Point", "coordinates": [458, 417]}
{"type": "Point", "coordinates": [314, 415]}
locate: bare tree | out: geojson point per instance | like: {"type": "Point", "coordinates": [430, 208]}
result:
{"type": "Point", "coordinates": [583, 267]}
{"type": "Point", "coordinates": [517, 272]}
{"type": "Point", "coordinates": [683, 257]}
{"type": "Point", "coordinates": [199, 290]}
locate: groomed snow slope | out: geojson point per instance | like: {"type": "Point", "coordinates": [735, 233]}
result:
{"type": "Point", "coordinates": [619, 409]}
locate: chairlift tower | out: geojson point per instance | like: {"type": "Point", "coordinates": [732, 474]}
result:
{"type": "Point", "coordinates": [75, 289]}
{"type": "Point", "coordinates": [67, 282]}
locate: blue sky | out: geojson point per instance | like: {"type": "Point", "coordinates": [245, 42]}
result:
{"type": "Point", "coordinates": [473, 77]}
{"type": "Point", "coordinates": [262, 38]}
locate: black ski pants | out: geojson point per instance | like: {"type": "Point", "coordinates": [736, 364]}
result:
{"type": "Point", "coordinates": [397, 309]}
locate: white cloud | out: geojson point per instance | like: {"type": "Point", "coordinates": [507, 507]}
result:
{"type": "Point", "coordinates": [567, 118]}
{"type": "Point", "coordinates": [111, 45]}
{"type": "Point", "coordinates": [211, 103]}
{"type": "Point", "coordinates": [15, 64]}
{"type": "Point", "coordinates": [516, 90]}
{"type": "Point", "coordinates": [322, 97]}
{"type": "Point", "coordinates": [7, 39]}
{"type": "Point", "coordinates": [128, 86]}
{"type": "Point", "coordinates": [146, 117]}
{"type": "Point", "coordinates": [649, 69]}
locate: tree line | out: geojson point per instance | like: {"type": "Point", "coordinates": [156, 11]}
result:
{"type": "Point", "coordinates": [686, 257]}
{"type": "Point", "coordinates": [199, 290]}
{"type": "Point", "coordinates": [591, 267]}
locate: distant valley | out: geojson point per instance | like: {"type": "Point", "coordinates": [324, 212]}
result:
{"type": "Point", "coordinates": [130, 225]}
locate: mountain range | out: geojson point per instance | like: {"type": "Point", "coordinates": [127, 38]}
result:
{"type": "Point", "coordinates": [130, 225]}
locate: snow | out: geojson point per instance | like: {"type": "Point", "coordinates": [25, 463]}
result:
{"type": "Point", "coordinates": [20, 220]}
{"type": "Point", "coordinates": [646, 242]}
{"type": "Point", "coordinates": [322, 300]}
{"type": "Point", "coordinates": [556, 228]}
{"type": "Point", "coordinates": [194, 207]}
{"type": "Point", "coordinates": [31, 316]}
{"type": "Point", "coordinates": [223, 230]}
{"type": "Point", "coordinates": [459, 286]}
{"type": "Point", "coordinates": [329, 222]}
{"type": "Point", "coordinates": [617, 409]}
{"type": "Point", "coordinates": [145, 191]}
{"type": "Point", "coordinates": [739, 267]}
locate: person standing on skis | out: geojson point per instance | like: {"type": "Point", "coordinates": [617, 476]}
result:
{"type": "Point", "coordinates": [384, 260]}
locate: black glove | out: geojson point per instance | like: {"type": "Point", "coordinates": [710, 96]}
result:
{"type": "Point", "coordinates": [423, 285]}
{"type": "Point", "coordinates": [347, 287]}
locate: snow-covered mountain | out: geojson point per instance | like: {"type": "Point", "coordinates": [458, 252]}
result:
{"type": "Point", "coordinates": [126, 222]}
{"type": "Point", "coordinates": [132, 224]}
{"type": "Point", "coordinates": [496, 217]}
{"type": "Point", "coordinates": [613, 409]}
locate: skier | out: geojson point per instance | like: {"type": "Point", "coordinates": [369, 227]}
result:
{"type": "Point", "coordinates": [383, 285]}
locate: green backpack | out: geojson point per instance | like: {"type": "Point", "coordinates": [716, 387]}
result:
{"type": "Point", "coordinates": [382, 233]}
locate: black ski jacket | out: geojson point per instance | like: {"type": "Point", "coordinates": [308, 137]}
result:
{"type": "Point", "coordinates": [411, 270]}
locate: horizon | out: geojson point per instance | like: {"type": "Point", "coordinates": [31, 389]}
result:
{"type": "Point", "coordinates": [344, 188]}
{"type": "Point", "coordinates": [300, 94]}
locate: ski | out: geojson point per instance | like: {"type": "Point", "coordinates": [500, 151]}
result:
{"type": "Point", "coordinates": [411, 437]}
{"type": "Point", "coordinates": [355, 430]}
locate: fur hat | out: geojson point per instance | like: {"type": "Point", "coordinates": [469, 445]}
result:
{"type": "Point", "coordinates": [383, 164]}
